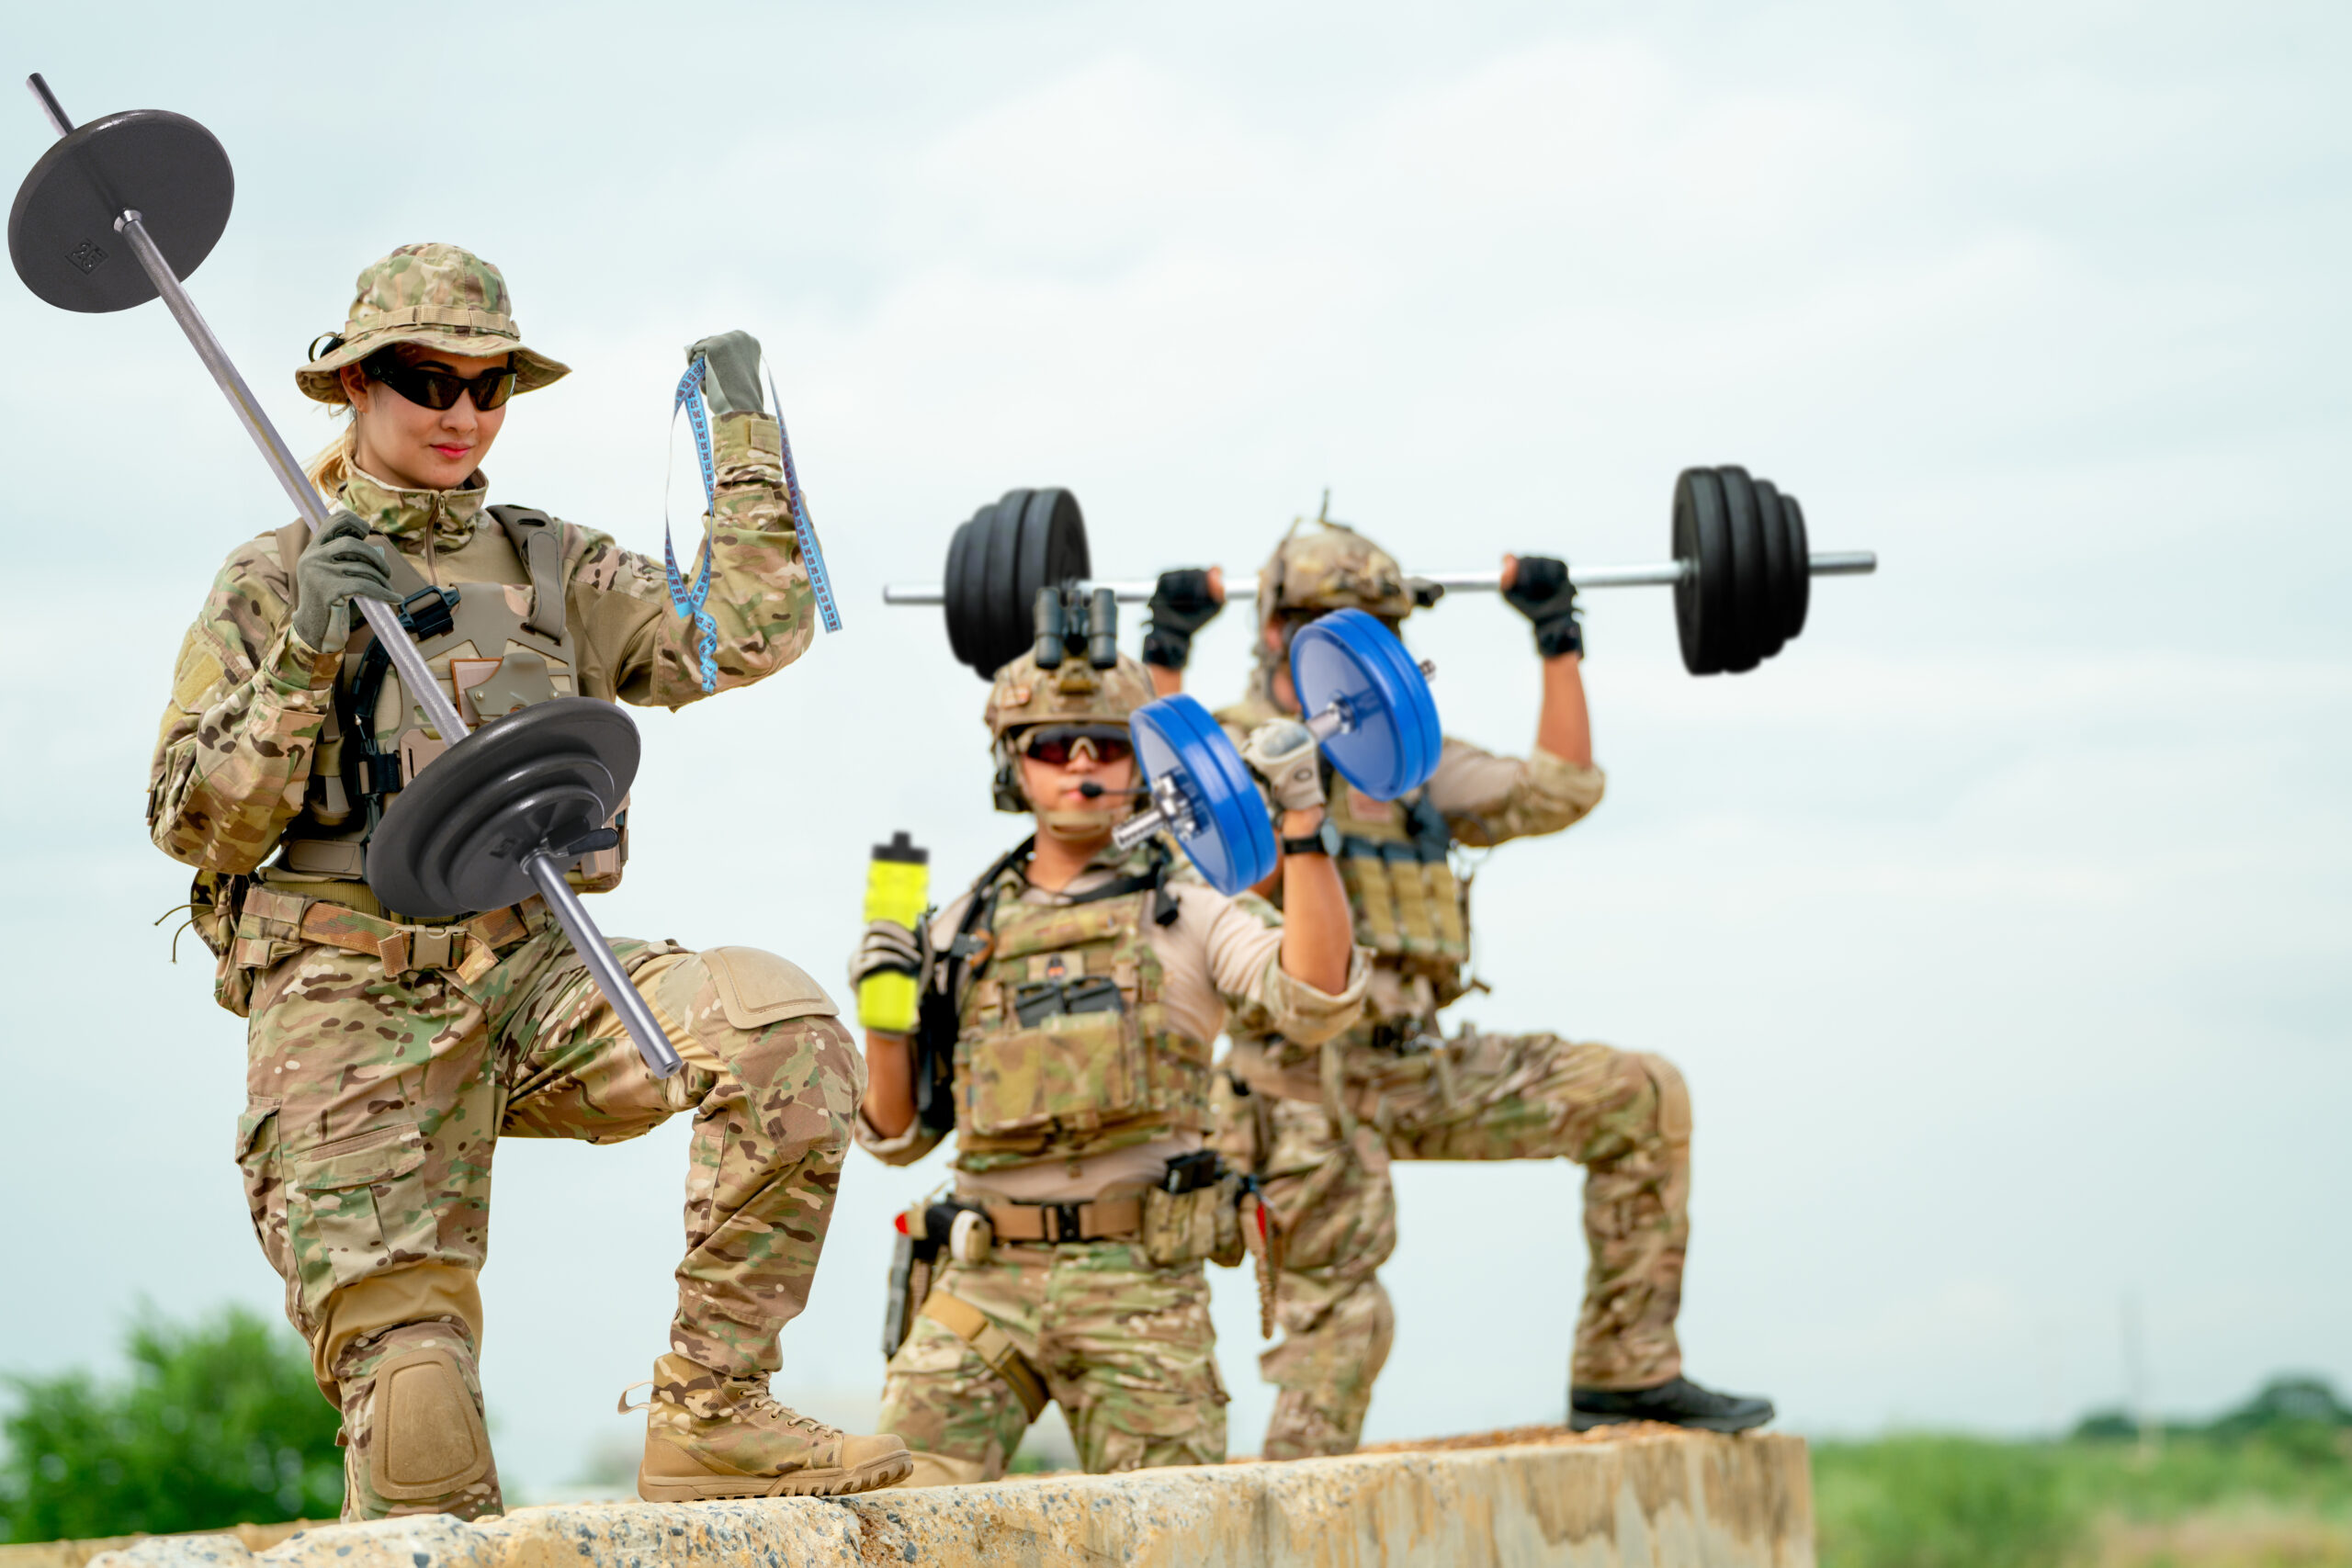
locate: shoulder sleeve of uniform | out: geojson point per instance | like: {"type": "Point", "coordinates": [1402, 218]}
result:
{"type": "Point", "coordinates": [1486, 799]}
{"type": "Point", "coordinates": [1244, 940]}
{"type": "Point", "coordinates": [616, 598]}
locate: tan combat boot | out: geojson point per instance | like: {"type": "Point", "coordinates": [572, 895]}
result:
{"type": "Point", "coordinates": [708, 1436]}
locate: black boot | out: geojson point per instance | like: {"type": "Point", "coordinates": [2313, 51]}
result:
{"type": "Point", "coordinates": [1678, 1401]}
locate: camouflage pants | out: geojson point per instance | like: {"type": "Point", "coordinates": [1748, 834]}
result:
{"type": "Point", "coordinates": [1625, 1118]}
{"type": "Point", "coordinates": [375, 1103]}
{"type": "Point", "coordinates": [1123, 1346]}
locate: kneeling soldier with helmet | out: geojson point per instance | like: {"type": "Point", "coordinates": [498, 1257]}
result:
{"type": "Point", "coordinates": [1318, 1119]}
{"type": "Point", "coordinates": [1068, 1004]}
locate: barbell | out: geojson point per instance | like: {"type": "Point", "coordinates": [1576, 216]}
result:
{"type": "Point", "coordinates": [1742, 571]}
{"type": "Point", "coordinates": [1367, 705]}
{"type": "Point", "coordinates": [506, 808]}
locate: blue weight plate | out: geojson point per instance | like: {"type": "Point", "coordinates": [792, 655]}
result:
{"type": "Point", "coordinates": [1347, 656]}
{"type": "Point", "coordinates": [1234, 842]}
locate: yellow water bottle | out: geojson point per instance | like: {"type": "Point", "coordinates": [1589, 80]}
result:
{"type": "Point", "coordinates": [898, 890]}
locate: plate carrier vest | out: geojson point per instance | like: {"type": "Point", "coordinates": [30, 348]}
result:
{"type": "Point", "coordinates": [1062, 1046]}
{"type": "Point", "coordinates": [498, 648]}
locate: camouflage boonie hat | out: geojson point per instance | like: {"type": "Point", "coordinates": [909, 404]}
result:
{"type": "Point", "coordinates": [1077, 693]}
{"type": "Point", "coordinates": [1332, 568]}
{"type": "Point", "coordinates": [438, 295]}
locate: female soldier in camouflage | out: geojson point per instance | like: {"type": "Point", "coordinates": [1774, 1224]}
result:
{"type": "Point", "coordinates": [1319, 1120]}
{"type": "Point", "coordinates": [388, 1054]}
{"type": "Point", "coordinates": [1076, 990]}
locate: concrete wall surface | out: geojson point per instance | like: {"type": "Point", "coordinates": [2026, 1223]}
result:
{"type": "Point", "coordinates": [1670, 1500]}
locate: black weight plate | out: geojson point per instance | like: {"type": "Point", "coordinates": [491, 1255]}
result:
{"type": "Point", "coordinates": [1052, 547]}
{"type": "Point", "coordinates": [61, 231]}
{"type": "Point", "coordinates": [1751, 600]}
{"type": "Point", "coordinates": [1010, 620]}
{"type": "Point", "coordinates": [1772, 624]}
{"type": "Point", "coordinates": [1799, 551]}
{"type": "Point", "coordinates": [1702, 610]}
{"type": "Point", "coordinates": [960, 583]}
{"type": "Point", "coordinates": [544, 777]}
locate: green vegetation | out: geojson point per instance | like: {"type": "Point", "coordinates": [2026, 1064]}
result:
{"type": "Point", "coordinates": [2266, 1485]}
{"type": "Point", "coordinates": [219, 1423]}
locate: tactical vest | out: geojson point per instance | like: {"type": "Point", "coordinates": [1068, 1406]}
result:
{"type": "Point", "coordinates": [1409, 907]}
{"type": "Point", "coordinates": [1063, 1047]}
{"type": "Point", "coordinates": [496, 647]}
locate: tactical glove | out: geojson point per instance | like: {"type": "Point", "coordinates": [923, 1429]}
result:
{"type": "Point", "coordinates": [336, 566]}
{"type": "Point", "coordinates": [1541, 591]}
{"type": "Point", "coordinates": [1281, 752]}
{"type": "Point", "coordinates": [886, 948]}
{"type": "Point", "coordinates": [732, 382]}
{"type": "Point", "coordinates": [1181, 605]}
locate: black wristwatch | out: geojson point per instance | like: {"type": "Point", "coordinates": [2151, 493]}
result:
{"type": "Point", "coordinates": [1324, 840]}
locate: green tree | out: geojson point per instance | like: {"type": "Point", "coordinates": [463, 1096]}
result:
{"type": "Point", "coordinates": [219, 1423]}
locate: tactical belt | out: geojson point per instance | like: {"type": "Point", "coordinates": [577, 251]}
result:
{"type": "Point", "coordinates": [399, 948]}
{"type": "Point", "coordinates": [991, 1345]}
{"type": "Point", "coordinates": [1054, 1224]}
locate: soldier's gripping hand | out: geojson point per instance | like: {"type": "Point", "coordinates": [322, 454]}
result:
{"type": "Point", "coordinates": [732, 382]}
{"type": "Point", "coordinates": [1183, 602]}
{"type": "Point", "coordinates": [1538, 588]}
{"type": "Point", "coordinates": [887, 948]}
{"type": "Point", "coordinates": [1281, 752]}
{"type": "Point", "coordinates": [337, 566]}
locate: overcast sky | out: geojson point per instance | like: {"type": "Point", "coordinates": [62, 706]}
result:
{"type": "Point", "coordinates": [2000, 924]}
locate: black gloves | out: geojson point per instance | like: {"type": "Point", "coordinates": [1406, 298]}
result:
{"type": "Point", "coordinates": [731, 383]}
{"type": "Point", "coordinates": [1181, 605]}
{"type": "Point", "coordinates": [337, 564]}
{"type": "Point", "coordinates": [1541, 591]}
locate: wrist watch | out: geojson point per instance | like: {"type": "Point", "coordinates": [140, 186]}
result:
{"type": "Point", "coordinates": [1324, 840]}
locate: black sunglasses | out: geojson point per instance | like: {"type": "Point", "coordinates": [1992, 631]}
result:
{"type": "Point", "coordinates": [439, 389]}
{"type": "Point", "coordinates": [1052, 743]}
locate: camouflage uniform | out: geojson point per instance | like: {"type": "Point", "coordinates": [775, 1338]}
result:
{"type": "Point", "coordinates": [1321, 1122]}
{"type": "Point", "coordinates": [388, 1055]}
{"type": "Point", "coordinates": [1081, 1112]}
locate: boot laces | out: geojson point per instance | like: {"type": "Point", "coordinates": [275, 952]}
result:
{"type": "Point", "coordinates": [756, 1402]}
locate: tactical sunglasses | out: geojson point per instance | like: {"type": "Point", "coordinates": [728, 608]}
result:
{"type": "Point", "coordinates": [439, 389]}
{"type": "Point", "coordinates": [1054, 744]}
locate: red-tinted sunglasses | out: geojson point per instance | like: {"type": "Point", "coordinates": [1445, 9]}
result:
{"type": "Point", "coordinates": [1054, 744]}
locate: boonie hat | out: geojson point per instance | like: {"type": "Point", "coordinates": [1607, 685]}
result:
{"type": "Point", "coordinates": [439, 296]}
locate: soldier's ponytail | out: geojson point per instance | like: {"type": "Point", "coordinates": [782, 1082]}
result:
{"type": "Point", "coordinates": [332, 466]}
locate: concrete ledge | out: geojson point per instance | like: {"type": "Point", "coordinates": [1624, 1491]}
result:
{"type": "Point", "coordinates": [1669, 1500]}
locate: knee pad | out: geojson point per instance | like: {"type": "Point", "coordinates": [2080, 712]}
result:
{"type": "Point", "coordinates": [427, 1442]}
{"type": "Point", "coordinates": [719, 996]}
{"type": "Point", "coordinates": [1673, 1097]}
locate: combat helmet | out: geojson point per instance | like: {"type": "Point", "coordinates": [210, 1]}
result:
{"type": "Point", "coordinates": [1321, 566]}
{"type": "Point", "coordinates": [1069, 677]}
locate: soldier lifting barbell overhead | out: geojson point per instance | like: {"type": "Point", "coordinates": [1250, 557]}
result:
{"type": "Point", "coordinates": [1066, 1006]}
{"type": "Point", "coordinates": [370, 796]}
{"type": "Point", "coordinates": [1317, 1122]}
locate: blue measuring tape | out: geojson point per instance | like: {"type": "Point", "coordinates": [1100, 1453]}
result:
{"type": "Point", "coordinates": [812, 554]}
{"type": "Point", "coordinates": [689, 603]}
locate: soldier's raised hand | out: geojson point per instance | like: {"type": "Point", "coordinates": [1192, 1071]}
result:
{"type": "Point", "coordinates": [732, 382]}
{"type": "Point", "coordinates": [1183, 602]}
{"type": "Point", "coordinates": [337, 566]}
{"type": "Point", "coordinates": [1538, 587]}
{"type": "Point", "coordinates": [1281, 752]}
